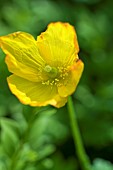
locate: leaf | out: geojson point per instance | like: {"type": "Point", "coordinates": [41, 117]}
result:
{"type": "Point", "coordinates": [101, 164]}
{"type": "Point", "coordinates": [27, 112]}
{"type": "Point", "coordinates": [47, 129]}
{"type": "Point", "coordinates": [57, 162]}
{"type": "Point", "coordinates": [9, 135]}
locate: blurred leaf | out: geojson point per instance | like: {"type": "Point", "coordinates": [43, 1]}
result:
{"type": "Point", "coordinates": [29, 111]}
{"type": "Point", "coordinates": [47, 129]}
{"type": "Point", "coordinates": [9, 135]}
{"type": "Point", "coordinates": [45, 151]}
{"type": "Point", "coordinates": [60, 163]}
{"type": "Point", "coordinates": [100, 164]}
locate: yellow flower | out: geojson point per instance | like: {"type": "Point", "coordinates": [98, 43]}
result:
{"type": "Point", "coordinates": [46, 70]}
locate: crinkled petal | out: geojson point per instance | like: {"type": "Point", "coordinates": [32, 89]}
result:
{"type": "Point", "coordinates": [70, 83]}
{"type": "Point", "coordinates": [58, 44]}
{"type": "Point", "coordinates": [22, 54]}
{"type": "Point", "coordinates": [34, 94]}
{"type": "Point", "coordinates": [61, 101]}
{"type": "Point", "coordinates": [22, 70]}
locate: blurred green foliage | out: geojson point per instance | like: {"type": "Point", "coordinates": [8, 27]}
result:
{"type": "Point", "coordinates": [44, 141]}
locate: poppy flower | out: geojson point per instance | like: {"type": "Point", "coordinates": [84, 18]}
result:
{"type": "Point", "coordinates": [44, 71]}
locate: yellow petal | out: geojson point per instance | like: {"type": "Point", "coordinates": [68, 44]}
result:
{"type": "Point", "coordinates": [22, 70]}
{"type": "Point", "coordinates": [58, 44]}
{"type": "Point", "coordinates": [70, 83]}
{"type": "Point", "coordinates": [60, 101]}
{"type": "Point", "coordinates": [22, 54]}
{"type": "Point", "coordinates": [34, 94]}
{"type": "Point", "coordinates": [65, 32]}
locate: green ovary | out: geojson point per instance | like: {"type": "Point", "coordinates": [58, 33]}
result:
{"type": "Point", "coordinates": [51, 71]}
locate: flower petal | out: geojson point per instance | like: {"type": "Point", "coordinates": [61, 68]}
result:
{"type": "Point", "coordinates": [61, 101]}
{"type": "Point", "coordinates": [70, 83]}
{"type": "Point", "coordinates": [34, 94]}
{"type": "Point", "coordinates": [65, 32]}
{"type": "Point", "coordinates": [58, 44]}
{"type": "Point", "coordinates": [22, 54]}
{"type": "Point", "coordinates": [22, 70]}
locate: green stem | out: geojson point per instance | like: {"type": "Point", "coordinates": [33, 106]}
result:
{"type": "Point", "coordinates": [83, 158]}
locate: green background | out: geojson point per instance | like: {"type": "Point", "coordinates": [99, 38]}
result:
{"type": "Point", "coordinates": [45, 143]}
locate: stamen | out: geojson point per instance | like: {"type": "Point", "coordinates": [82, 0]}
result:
{"type": "Point", "coordinates": [55, 75]}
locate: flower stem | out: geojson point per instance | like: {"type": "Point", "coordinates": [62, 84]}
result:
{"type": "Point", "coordinates": [83, 158]}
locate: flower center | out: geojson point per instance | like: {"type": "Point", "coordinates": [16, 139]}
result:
{"type": "Point", "coordinates": [51, 71]}
{"type": "Point", "coordinates": [56, 76]}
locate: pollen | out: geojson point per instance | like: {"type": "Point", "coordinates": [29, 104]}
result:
{"type": "Point", "coordinates": [63, 72]}
{"type": "Point", "coordinates": [55, 75]}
